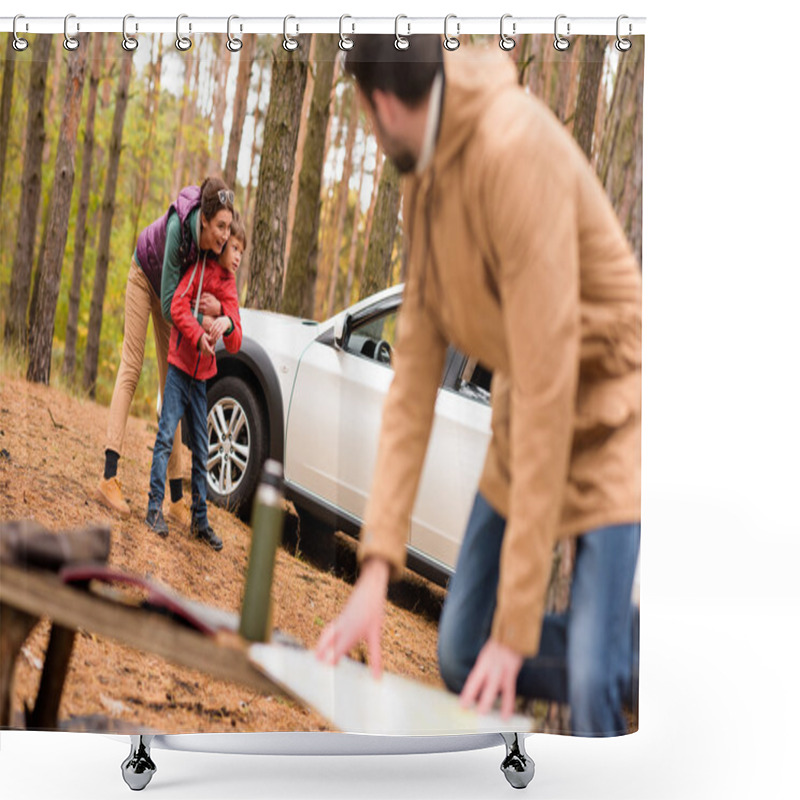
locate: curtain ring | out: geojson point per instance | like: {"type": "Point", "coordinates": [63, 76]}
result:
{"type": "Point", "coordinates": [70, 43]}
{"type": "Point", "coordinates": [289, 43]}
{"type": "Point", "coordinates": [182, 42]}
{"type": "Point", "coordinates": [506, 42]}
{"type": "Point", "coordinates": [451, 43]}
{"type": "Point", "coordinates": [345, 42]}
{"type": "Point", "coordinates": [623, 45]}
{"type": "Point", "coordinates": [129, 43]}
{"type": "Point", "coordinates": [401, 42]}
{"type": "Point", "coordinates": [560, 43]}
{"type": "Point", "coordinates": [19, 44]}
{"type": "Point", "coordinates": [234, 44]}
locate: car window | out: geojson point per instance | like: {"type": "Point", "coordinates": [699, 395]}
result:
{"type": "Point", "coordinates": [374, 338]}
{"type": "Point", "coordinates": [475, 381]}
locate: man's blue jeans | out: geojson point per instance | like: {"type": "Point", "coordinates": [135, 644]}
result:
{"type": "Point", "coordinates": [585, 655]}
{"type": "Point", "coordinates": [182, 395]}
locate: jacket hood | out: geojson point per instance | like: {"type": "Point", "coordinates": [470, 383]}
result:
{"type": "Point", "coordinates": [474, 78]}
{"type": "Point", "coordinates": [187, 200]}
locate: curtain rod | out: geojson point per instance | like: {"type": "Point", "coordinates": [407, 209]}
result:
{"type": "Point", "coordinates": [349, 25]}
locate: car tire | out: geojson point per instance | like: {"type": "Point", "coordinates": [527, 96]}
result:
{"type": "Point", "coordinates": [237, 444]}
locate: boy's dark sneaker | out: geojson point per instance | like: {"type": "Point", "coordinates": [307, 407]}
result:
{"type": "Point", "coordinates": [208, 536]}
{"type": "Point", "coordinates": [156, 522]}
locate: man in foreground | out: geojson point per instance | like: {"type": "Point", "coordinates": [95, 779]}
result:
{"type": "Point", "coordinates": [517, 258]}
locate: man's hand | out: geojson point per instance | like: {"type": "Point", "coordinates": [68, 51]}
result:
{"type": "Point", "coordinates": [209, 305]}
{"type": "Point", "coordinates": [206, 345]}
{"type": "Point", "coordinates": [362, 618]}
{"type": "Point", "coordinates": [495, 672]}
{"type": "Point", "coordinates": [218, 328]}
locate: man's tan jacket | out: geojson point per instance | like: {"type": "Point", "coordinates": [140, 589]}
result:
{"type": "Point", "coordinates": [516, 257]}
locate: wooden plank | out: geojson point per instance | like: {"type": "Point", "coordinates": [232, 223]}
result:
{"type": "Point", "coordinates": [224, 656]}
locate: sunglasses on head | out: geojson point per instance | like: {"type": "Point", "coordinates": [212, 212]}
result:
{"type": "Point", "coordinates": [226, 196]}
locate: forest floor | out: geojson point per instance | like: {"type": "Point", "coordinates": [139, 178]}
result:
{"type": "Point", "coordinates": [51, 459]}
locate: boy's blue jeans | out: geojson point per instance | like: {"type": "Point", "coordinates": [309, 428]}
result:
{"type": "Point", "coordinates": [586, 654]}
{"type": "Point", "coordinates": [182, 395]}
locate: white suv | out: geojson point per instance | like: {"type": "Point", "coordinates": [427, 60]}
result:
{"type": "Point", "coordinates": [311, 394]}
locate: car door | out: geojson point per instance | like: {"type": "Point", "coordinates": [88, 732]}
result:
{"type": "Point", "coordinates": [454, 461]}
{"type": "Point", "coordinates": [334, 414]}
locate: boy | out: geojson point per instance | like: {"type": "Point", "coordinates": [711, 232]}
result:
{"type": "Point", "coordinates": [191, 363]}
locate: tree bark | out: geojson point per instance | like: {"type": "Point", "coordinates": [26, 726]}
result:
{"type": "Point", "coordinates": [376, 178]}
{"type": "Point", "coordinates": [71, 338]}
{"type": "Point", "coordinates": [281, 127]}
{"type": "Point", "coordinates": [378, 267]}
{"type": "Point", "coordinates": [222, 60]}
{"type": "Point", "coordinates": [300, 149]}
{"type": "Point", "coordinates": [344, 196]}
{"type": "Point", "coordinates": [245, 57]}
{"type": "Point", "coordinates": [591, 72]}
{"type": "Point", "coordinates": [5, 105]}
{"type": "Point", "coordinates": [298, 297]}
{"type": "Point", "coordinates": [109, 195]}
{"type": "Point", "coordinates": [15, 329]}
{"type": "Point", "coordinates": [619, 162]}
{"type": "Point", "coordinates": [40, 339]}
{"type": "Point", "coordinates": [178, 153]}
{"type": "Point", "coordinates": [150, 151]}
{"type": "Point", "coordinates": [351, 259]}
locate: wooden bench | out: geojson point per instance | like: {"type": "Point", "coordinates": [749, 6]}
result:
{"type": "Point", "coordinates": [29, 594]}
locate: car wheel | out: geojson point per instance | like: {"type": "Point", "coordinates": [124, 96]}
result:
{"type": "Point", "coordinates": [236, 444]}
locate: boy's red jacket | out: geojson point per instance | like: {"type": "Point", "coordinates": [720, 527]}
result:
{"type": "Point", "coordinates": [186, 330]}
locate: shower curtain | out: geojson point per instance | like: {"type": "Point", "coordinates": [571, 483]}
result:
{"type": "Point", "coordinates": [440, 294]}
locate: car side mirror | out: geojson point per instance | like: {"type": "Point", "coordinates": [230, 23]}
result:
{"type": "Point", "coordinates": [341, 330]}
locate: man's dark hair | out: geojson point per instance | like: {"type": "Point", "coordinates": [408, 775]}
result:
{"type": "Point", "coordinates": [376, 63]}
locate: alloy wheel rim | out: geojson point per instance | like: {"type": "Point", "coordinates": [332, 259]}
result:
{"type": "Point", "coordinates": [228, 445]}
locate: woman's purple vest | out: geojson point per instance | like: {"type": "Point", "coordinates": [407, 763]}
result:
{"type": "Point", "coordinates": [152, 240]}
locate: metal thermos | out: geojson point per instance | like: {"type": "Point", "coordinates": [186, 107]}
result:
{"type": "Point", "coordinates": [267, 531]}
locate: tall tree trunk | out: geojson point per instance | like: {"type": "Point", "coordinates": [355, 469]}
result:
{"type": "Point", "coordinates": [281, 127]}
{"type": "Point", "coordinates": [254, 147]}
{"type": "Point", "coordinates": [620, 157]}
{"type": "Point", "coordinates": [376, 178]}
{"type": "Point", "coordinates": [222, 61]}
{"type": "Point", "coordinates": [40, 339]}
{"type": "Point", "coordinates": [178, 153]}
{"type": "Point", "coordinates": [53, 110]}
{"type": "Point", "coordinates": [378, 267]}
{"type": "Point", "coordinates": [110, 59]}
{"type": "Point", "coordinates": [16, 330]}
{"type": "Point", "coordinates": [71, 337]}
{"type": "Point", "coordinates": [329, 204]}
{"type": "Point", "coordinates": [298, 158]}
{"type": "Point", "coordinates": [151, 152]}
{"type": "Point", "coordinates": [351, 258]}
{"type": "Point", "coordinates": [298, 297]}
{"type": "Point", "coordinates": [591, 73]}
{"type": "Point", "coordinates": [5, 105]}
{"type": "Point", "coordinates": [344, 196]}
{"type": "Point", "coordinates": [245, 57]}
{"type": "Point", "coordinates": [109, 195]}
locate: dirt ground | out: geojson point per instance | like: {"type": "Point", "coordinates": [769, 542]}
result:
{"type": "Point", "coordinates": [51, 459]}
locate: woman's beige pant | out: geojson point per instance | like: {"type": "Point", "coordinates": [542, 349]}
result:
{"type": "Point", "coordinates": [141, 303]}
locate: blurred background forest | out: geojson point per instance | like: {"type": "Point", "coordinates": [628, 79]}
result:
{"type": "Point", "coordinates": [96, 143]}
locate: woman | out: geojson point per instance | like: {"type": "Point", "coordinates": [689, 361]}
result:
{"type": "Point", "coordinates": [198, 221]}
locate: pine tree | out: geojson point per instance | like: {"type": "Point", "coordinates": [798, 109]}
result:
{"type": "Point", "coordinates": [22, 267]}
{"type": "Point", "coordinates": [281, 128]}
{"type": "Point", "coordinates": [109, 195]}
{"type": "Point", "coordinates": [298, 298]}
{"type": "Point", "coordinates": [40, 338]}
